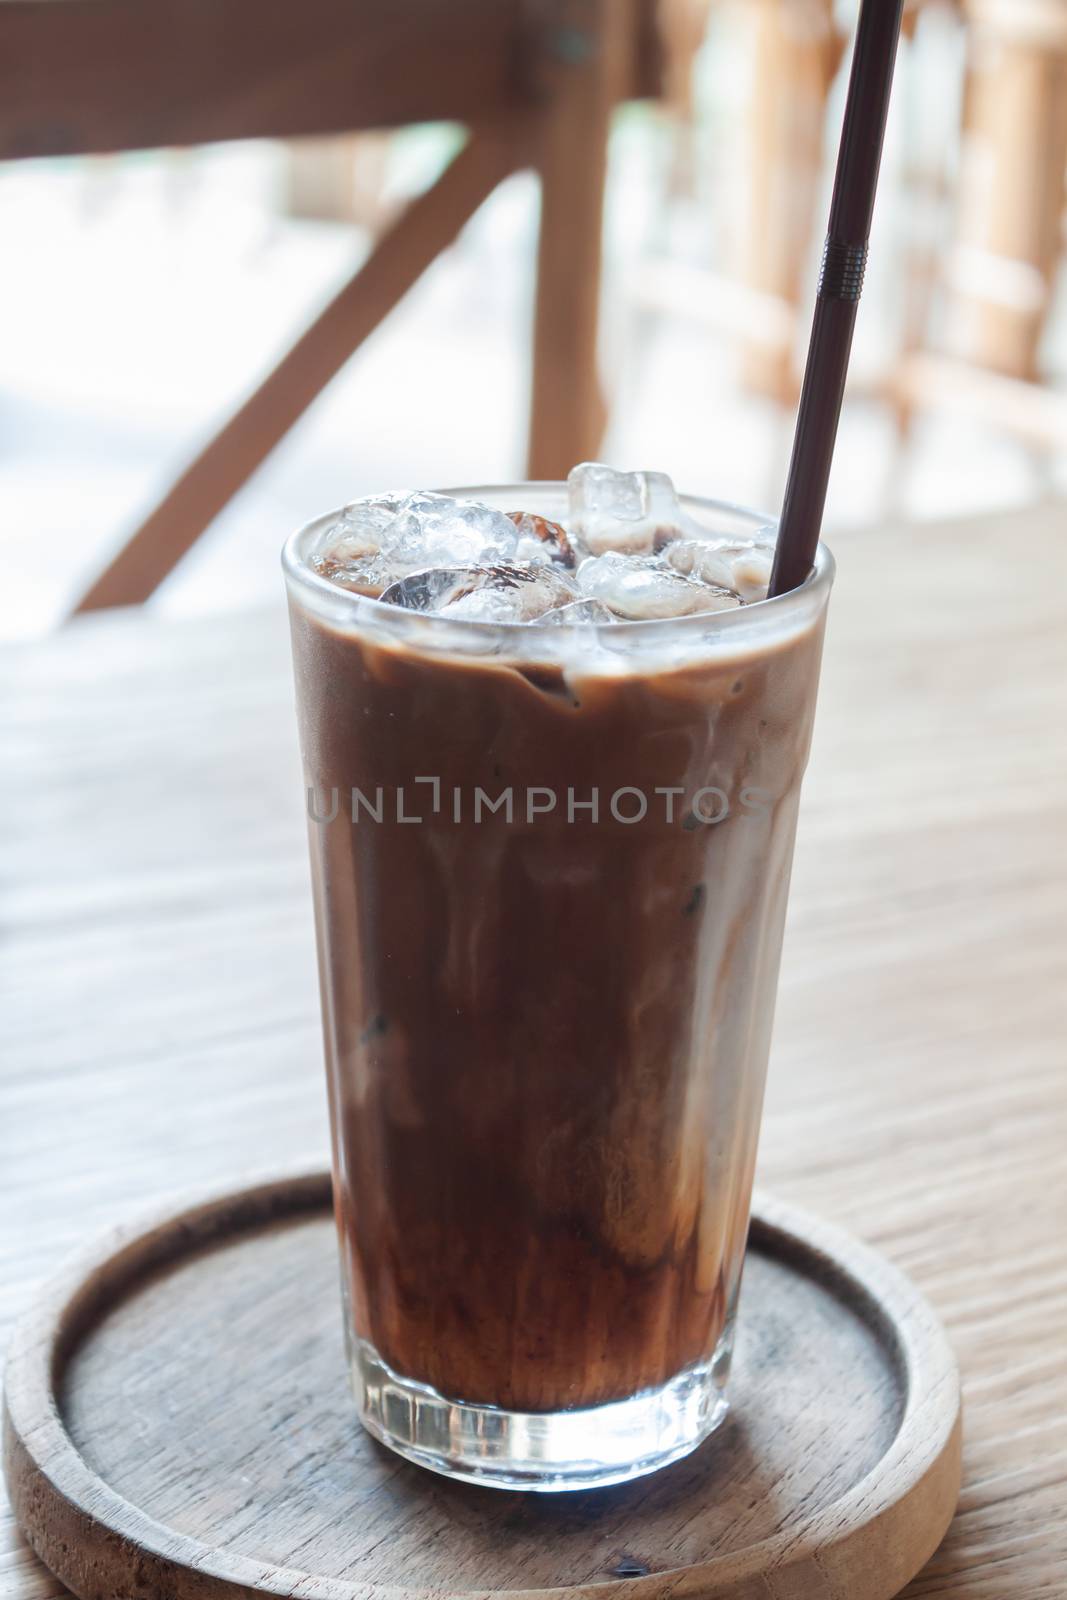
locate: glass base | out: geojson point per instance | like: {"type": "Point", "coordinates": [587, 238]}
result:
{"type": "Point", "coordinates": [547, 1451]}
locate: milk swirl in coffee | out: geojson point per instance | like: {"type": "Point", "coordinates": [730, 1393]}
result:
{"type": "Point", "coordinates": [547, 1024]}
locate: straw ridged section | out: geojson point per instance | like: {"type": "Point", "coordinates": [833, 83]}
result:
{"type": "Point", "coordinates": [843, 268]}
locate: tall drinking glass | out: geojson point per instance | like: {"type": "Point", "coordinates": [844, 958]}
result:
{"type": "Point", "coordinates": [550, 869]}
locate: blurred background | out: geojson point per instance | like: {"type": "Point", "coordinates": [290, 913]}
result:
{"type": "Point", "coordinates": [145, 293]}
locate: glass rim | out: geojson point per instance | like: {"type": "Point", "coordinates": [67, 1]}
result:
{"type": "Point", "coordinates": [345, 607]}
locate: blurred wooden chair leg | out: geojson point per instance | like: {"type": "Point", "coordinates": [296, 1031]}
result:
{"type": "Point", "coordinates": [684, 24]}
{"type": "Point", "coordinates": [543, 77]}
{"type": "Point", "coordinates": [795, 56]}
{"type": "Point", "coordinates": [567, 408]}
{"type": "Point", "coordinates": [928, 182]}
{"type": "Point", "coordinates": [400, 257]}
{"type": "Point", "coordinates": [1009, 233]}
{"type": "Point", "coordinates": [1000, 270]}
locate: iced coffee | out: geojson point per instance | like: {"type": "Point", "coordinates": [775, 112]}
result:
{"type": "Point", "coordinates": [553, 739]}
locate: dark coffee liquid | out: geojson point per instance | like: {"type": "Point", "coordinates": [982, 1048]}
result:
{"type": "Point", "coordinates": [546, 1038]}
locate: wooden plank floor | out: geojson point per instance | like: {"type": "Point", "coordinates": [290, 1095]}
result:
{"type": "Point", "coordinates": [159, 1008]}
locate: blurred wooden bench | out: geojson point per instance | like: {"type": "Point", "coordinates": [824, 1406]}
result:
{"type": "Point", "coordinates": [995, 276]}
{"type": "Point", "coordinates": [797, 49]}
{"type": "Point", "coordinates": [998, 275]}
{"type": "Point", "coordinates": [534, 81]}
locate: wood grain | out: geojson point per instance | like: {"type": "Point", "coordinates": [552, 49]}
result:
{"type": "Point", "coordinates": [160, 1013]}
{"type": "Point", "coordinates": [158, 1440]}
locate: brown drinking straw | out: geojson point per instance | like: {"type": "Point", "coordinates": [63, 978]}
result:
{"type": "Point", "coordinates": [840, 283]}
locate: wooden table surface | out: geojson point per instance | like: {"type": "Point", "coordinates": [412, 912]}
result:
{"type": "Point", "coordinates": [160, 1023]}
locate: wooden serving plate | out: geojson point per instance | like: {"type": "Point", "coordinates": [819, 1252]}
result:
{"type": "Point", "coordinates": [178, 1425]}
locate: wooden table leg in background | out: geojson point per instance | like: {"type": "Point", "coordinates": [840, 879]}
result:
{"type": "Point", "coordinates": [1009, 234]}
{"type": "Point", "coordinates": [587, 67]}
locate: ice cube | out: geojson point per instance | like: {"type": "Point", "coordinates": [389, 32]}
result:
{"type": "Point", "coordinates": [743, 565]}
{"type": "Point", "coordinates": [640, 588]}
{"type": "Point", "coordinates": [579, 611]}
{"type": "Point", "coordinates": [433, 530]}
{"type": "Point", "coordinates": [498, 593]}
{"type": "Point", "coordinates": [751, 564]}
{"type": "Point", "coordinates": [378, 541]}
{"type": "Point", "coordinates": [540, 540]}
{"type": "Point", "coordinates": [631, 512]}
{"type": "Point", "coordinates": [480, 605]}
{"type": "Point", "coordinates": [343, 550]}
{"type": "Point", "coordinates": [430, 588]}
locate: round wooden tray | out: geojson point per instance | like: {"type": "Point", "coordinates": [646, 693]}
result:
{"type": "Point", "coordinates": [178, 1424]}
